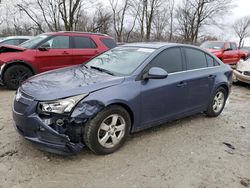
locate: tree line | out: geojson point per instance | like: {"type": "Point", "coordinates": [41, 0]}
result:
{"type": "Point", "coordinates": [125, 20]}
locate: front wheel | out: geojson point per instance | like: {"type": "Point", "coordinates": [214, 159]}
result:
{"type": "Point", "coordinates": [108, 130]}
{"type": "Point", "coordinates": [15, 75]}
{"type": "Point", "coordinates": [217, 103]}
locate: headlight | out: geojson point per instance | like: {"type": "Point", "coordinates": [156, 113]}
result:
{"type": "Point", "coordinates": [60, 106]}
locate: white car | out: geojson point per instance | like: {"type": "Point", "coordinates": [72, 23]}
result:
{"type": "Point", "coordinates": [242, 71]}
{"type": "Point", "coordinates": [14, 40]}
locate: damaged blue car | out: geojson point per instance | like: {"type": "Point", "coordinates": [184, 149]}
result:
{"type": "Point", "coordinates": [122, 91]}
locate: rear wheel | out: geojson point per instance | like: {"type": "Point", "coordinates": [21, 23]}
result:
{"type": "Point", "coordinates": [108, 130]}
{"type": "Point", "coordinates": [15, 75]}
{"type": "Point", "coordinates": [217, 103]}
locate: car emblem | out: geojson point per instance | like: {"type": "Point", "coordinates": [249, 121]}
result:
{"type": "Point", "coordinates": [18, 96]}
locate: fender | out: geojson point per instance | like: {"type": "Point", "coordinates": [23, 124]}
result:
{"type": "Point", "coordinates": [17, 62]}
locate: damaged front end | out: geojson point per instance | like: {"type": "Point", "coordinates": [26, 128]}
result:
{"type": "Point", "coordinates": [242, 71]}
{"type": "Point", "coordinates": [56, 126]}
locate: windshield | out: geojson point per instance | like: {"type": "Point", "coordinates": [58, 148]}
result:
{"type": "Point", "coordinates": [34, 41]}
{"type": "Point", "coordinates": [120, 60]}
{"type": "Point", "coordinates": [213, 45]}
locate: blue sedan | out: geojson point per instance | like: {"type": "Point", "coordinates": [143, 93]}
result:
{"type": "Point", "coordinates": [122, 91]}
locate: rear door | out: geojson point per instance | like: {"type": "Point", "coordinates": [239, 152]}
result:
{"type": "Point", "coordinates": [56, 53]}
{"type": "Point", "coordinates": [84, 48]}
{"type": "Point", "coordinates": [199, 78]}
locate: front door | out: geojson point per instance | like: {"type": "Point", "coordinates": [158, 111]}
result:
{"type": "Point", "coordinates": [56, 53]}
{"type": "Point", "coordinates": [162, 99]}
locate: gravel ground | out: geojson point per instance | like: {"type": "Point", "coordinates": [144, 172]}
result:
{"type": "Point", "coordinates": [185, 153]}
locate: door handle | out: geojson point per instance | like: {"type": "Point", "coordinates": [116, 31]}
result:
{"type": "Point", "coordinates": [211, 76]}
{"type": "Point", "coordinates": [65, 53]}
{"type": "Point", "coordinates": [182, 84]}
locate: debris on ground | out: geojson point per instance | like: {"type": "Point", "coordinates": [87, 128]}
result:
{"type": "Point", "coordinates": [229, 145]}
{"type": "Point", "coordinates": [245, 182]}
{"type": "Point", "coordinates": [8, 153]}
{"type": "Point", "coordinates": [243, 127]}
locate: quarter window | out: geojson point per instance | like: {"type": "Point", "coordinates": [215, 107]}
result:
{"type": "Point", "coordinates": [196, 59]}
{"type": "Point", "coordinates": [109, 43]}
{"type": "Point", "coordinates": [11, 42]}
{"type": "Point", "coordinates": [169, 60]}
{"type": "Point", "coordinates": [83, 42]}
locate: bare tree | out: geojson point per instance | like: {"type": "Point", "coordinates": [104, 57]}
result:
{"type": "Point", "coordinates": [70, 10]}
{"type": "Point", "coordinates": [119, 11]}
{"type": "Point", "coordinates": [241, 28]}
{"type": "Point", "coordinates": [192, 15]}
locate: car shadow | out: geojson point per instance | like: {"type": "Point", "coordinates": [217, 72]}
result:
{"type": "Point", "coordinates": [242, 84]}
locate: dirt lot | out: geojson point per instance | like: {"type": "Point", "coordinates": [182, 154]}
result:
{"type": "Point", "coordinates": [184, 153]}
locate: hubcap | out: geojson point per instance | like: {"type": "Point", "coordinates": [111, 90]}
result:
{"type": "Point", "coordinates": [111, 131]}
{"type": "Point", "coordinates": [218, 101]}
{"type": "Point", "coordinates": [18, 76]}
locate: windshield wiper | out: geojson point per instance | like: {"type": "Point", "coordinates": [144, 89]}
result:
{"type": "Point", "coordinates": [102, 70]}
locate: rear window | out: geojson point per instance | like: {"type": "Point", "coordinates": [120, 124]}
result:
{"type": "Point", "coordinates": [83, 42]}
{"type": "Point", "coordinates": [109, 43]}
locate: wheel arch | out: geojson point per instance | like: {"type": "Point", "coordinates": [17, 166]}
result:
{"type": "Point", "coordinates": [127, 108]}
{"type": "Point", "coordinates": [18, 62]}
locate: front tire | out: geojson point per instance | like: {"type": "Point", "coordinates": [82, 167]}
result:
{"type": "Point", "coordinates": [217, 103]}
{"type": "Point", "coordinates": [15, 75]}
{"type": "Point", "coordinates": [108, 130]}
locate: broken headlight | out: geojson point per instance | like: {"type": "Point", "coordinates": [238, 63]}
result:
{"type": "Point", "coordinates": [60, 106]}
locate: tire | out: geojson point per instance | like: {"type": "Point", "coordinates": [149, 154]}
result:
{"type": "Point", "coordinates": [15, 75]}
{"type": "Point", "coordinates": [216, 105]}
{"type": "Point", "coordinates": [100, 132]}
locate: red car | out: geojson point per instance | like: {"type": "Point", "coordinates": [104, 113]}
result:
{"type": "Point", "coordinates": [49, 51]}
{"type": "Point", "coordinates": [227, 52]}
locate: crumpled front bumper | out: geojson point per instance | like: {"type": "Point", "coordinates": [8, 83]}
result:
{"type": "Point", "coordinates": [241, 76]}
{"type": "Point", "coordinates": [32, 128]}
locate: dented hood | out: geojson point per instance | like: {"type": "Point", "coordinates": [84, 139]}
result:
{"type": "Point", "coordinates": [67, 82]}
{"type": "Point", "coordinates": [11, 48]}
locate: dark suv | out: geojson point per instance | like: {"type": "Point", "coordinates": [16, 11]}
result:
{"type": "Point", "coordinates": [49, 51]}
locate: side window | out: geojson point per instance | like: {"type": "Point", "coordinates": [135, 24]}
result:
{"type": "Point", "coordinates": [58, 42]}
{"type": "Point", "coordinates": [11, 42]}
{"type": "Point", "coordinates": [109, 43]}
{"type": "Point", "coordinates": [211, 62]}
{"type": "Point", "coordinates": [22, 41]}
{"type": "Point", "coordinates": [195, 59]}
{"type": "Point", "coordinates": [227, 46]}
{"type": "Point", "coordinates": [170, 60]}
{"type": "Point", "coordinates": [233, 46]}
{"type": "Point", "coordinates": [83, 42]}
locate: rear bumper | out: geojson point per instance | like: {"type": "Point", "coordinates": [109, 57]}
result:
{"type": "Point", "coordinates": [35, 130]}
{"type": "Point", "coordinates": [241, 77]}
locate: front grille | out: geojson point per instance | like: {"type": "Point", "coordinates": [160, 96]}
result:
{"type": "Point", "coordinates": [247, 73]}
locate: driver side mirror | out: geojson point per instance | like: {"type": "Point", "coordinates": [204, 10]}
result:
{"type": "Point", "coordinates": [44, 47]}
{"type": "Point", "coordinates": [155, 73]}
{"type": "Point", "coordinates": [228, 49]}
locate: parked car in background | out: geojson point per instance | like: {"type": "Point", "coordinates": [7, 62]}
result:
{"type": "Point", "coordinates": [242, 71]}
{"type": "Point", "coordinates": [49, 51]}
{"type": "Point", "coordinates": [227, 52]}
{"type": "Point", "coordinates": [124, 90]}
{"type": "Point", "coordinates": [14, 40]}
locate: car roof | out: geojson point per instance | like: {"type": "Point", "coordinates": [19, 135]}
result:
{"type": "Point", "coordinates": [17, 37]}
{"type": "Point", "coordinates": [75, 32]}
{"type": "Point", "coordinates": [155, 45]}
